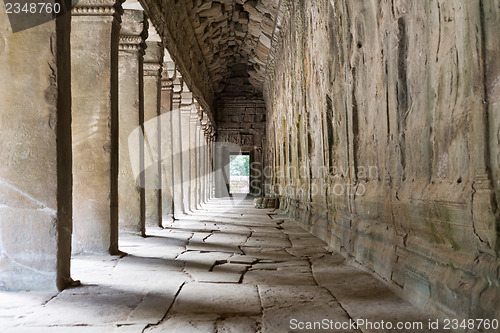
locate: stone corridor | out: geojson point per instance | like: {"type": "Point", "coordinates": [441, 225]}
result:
{"type": "Point", "coordinates": [373, 125]}
{"type": "Point", "coordinates": [242, 270]}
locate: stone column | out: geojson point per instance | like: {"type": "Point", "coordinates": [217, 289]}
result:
{"type": "Point", "coordinates": [186, 106]}
{"type": "Point", "coordinates": [204, 159]}
{"type": "Point", "coordinates": [199, 160]}
{"type": "Point", "coordinates": [210, 162]}
{"type": "Point", "coordinates": [207, 163]}
{"type": "Point", "coordinates": [193, 167]}
{"type": "Point", "coordinates": [166, 140]}
{"type": "Point", "coordinates": [177, 162]}
{"type": "Point", "coordinates": [131, 211]}
{"type": "Point", "coordinates": [220, 156]}
{"type": "Point", "coordinates": [211, 182]}
{"type": "Point", "coordinates": [94, 83]}
{"type": "Point", "coordinates": [35, 156]}
{"type": "Point", "coordinates": [153, 60]}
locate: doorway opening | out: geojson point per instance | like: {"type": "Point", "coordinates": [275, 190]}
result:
{"type": "Point", "coordinates": [239, 173]}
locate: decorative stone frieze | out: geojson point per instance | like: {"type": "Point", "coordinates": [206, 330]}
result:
{"type": "Point", "coordinates": [95, 8]}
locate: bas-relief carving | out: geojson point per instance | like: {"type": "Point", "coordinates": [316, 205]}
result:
{"type": "Point", "coordinates": [233, 138]}
{"type": "Point", "coordinates": [247, 140]}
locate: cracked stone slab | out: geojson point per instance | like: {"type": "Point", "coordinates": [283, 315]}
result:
{"type": "Point", "coordinates": [312, 251]}
{"type": "Point", "coordinates": [305, 241]}
{"type": "Point", "coordinates": [241, 259]}
{"type": "Point", "coordinates": [17, 305]}
{"type": "Point", "coordinates": [151, 309]}
{"type": "Point", "coordinates": [268, 242]}
{"type": "Point", "coordinates": [299, 265]}
{"type": "Point", "coordinates": [286, 276]}
{"type": "Point", "coordinates": [275, 254]}
{"type": "Point", "coordinates": [93, 269]}
{"type": "Point", "coordinates": [227, 238]}
{"type": "Point", "coordinates": [134, 263]}
{"type": "Point", "coordinates": [190, 323]}
{"type": "Point", "coordinates": [282, 304]}
{"type": "Point", "coordinates": [272, 232]}
{"type": "Point", "coordinates": [233, 228]}
{"type": "Point", "coordinates": [203, 258]}
{"type": "Point", "coordinates": [139, 328]}
{"type": "Point", "coordinates": [238, 325]}
{"type": "Point", "coordinates": [199, 237]}
{"type": "Point", "coordinates": [149, 281]}
{"type": "Point", "coordinates": [216, 298]}
{"type": "Point", "coordinates": [213, 247]}
{"type": "Point", "coordinates": [224, 273]}
{"type": "Point", "coordinates": [88, 305]}
{"type": "Point", "coordinates": [364, 296]}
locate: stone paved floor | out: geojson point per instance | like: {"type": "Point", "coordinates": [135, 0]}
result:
{"type": "Point", "coordinates": [222, 269]}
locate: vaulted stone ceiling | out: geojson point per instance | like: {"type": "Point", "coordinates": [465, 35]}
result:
{"type": "Point", "coordinates": [234, 37]}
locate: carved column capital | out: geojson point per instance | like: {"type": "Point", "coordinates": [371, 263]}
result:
{"type": "Point", "coordinates": [153, 58]}
{"type": "Point", "coordinates": [134, 31]}
{"type": "Point", "coordinates": [167, 84]}
{"type": "Point", "coordinates": [178, 83]}
{"type": "Point", "coordinates": [98, 8]}
{"type": "Point", "coordinates": [177, 90]}
{"type": "Point", "coordinates": [152, 69]}
{"type": "Point", "coordinates": [167, 75]}
{"type": "Point", "coordinates": [186, 100]}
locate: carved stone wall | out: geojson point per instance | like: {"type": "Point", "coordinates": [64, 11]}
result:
{"type": "Point", "coordinates": [377, 138]}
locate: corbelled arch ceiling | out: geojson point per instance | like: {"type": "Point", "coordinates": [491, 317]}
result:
{"type": "Point", "coordinates": [219, 46]}
{"type": "Point", "coordinates": [235, 38]}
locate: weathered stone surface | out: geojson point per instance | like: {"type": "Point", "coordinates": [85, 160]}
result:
{"type": "Point", "coordinates": [377, 140]}
{"type": "Point", "coordinates": [131, 182]}
{"type": "Point", "coordinates": [35, 156]}
{"type": "Point", "coordinates": [153, 290]}
{"type": "Point", "coordinates": [153, 60]}
{"type": "Point", "coordinates": [303, 303]}
{"type": "Point", "coordinates": [218, 273]}
{"type": "Point", "coordinates": [177, 161]}
{"type": "Point", "coordinates": [192, 323]}
{"type": "Point", "coordinates": [186, 107]}
{"type": "Point", "coordinates": [280, 276]}
{"type": "Point", "coordinates": [194, 120]}
{"type": "Point", "coordinates": [238, 325]}
{"type": "Point", "coordinates": [221, 299]}
{"type": "Point", "coordinates": [94, 127]}
{"type": "Point", "coordinates": [166, 145]}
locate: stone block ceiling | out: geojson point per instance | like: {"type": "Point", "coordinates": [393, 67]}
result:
{"type": "Point", "coordinates": [234, 37]}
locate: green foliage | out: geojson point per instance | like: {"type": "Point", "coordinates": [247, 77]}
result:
{"type": "Point", "coordinates": [239, 165]}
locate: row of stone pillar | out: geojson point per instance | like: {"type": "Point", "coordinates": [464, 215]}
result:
{"type": "Point", "coordinates": [192, 135]}
{"type": "Point", "coordinates": [138, 153]}
{"type": "Point", "coordinates": [102, 134]}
